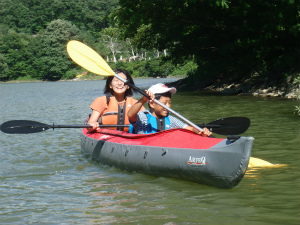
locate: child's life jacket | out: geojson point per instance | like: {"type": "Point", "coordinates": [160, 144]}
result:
{"type": "Point", "coordinates": [155, 124]}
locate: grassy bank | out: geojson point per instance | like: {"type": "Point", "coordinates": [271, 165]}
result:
{"type": "Point", "coordinates": [26, 79]}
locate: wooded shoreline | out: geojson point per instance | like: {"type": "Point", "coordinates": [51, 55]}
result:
{"type": "Point", "coordinates": [249, 87]}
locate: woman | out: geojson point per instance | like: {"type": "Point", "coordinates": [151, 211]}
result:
{"type": "Point", "coordinates": [113, 107]}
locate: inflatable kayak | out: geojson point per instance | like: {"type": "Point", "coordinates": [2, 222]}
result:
{"type": "Point", "coordinates": [175, 153]}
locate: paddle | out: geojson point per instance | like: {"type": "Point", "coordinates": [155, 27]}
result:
{"type": "Point", "coordinates": [228, 126]}
{"type": "Point", "coordinates": [28, 126]}
{"type": "Point", "coordinates": [225, 126]}
{"type": "Point", "coordinates": [93, 62]}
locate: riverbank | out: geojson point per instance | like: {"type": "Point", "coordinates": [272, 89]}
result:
{"type": "Point", "coordinates": [82, 78]}
{"type": "Point", "coordinates": [30, 80]}
{"type": "Point", "coordinates": [254, 86]}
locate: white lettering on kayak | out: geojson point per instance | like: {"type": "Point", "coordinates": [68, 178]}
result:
{"type": "Point", "coordinates": [197, 161]}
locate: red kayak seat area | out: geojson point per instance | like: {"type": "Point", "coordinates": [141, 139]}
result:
{"type": "Point", "coordinates": [172, 138]}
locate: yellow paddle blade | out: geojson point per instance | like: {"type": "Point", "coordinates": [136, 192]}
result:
{"type": "Point", "coordinates": [256, 162]}
{"type": "Point", "coordinates": [88, 58]}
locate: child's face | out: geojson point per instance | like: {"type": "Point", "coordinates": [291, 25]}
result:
{"type": "Point", "coordinates": [158, 110]}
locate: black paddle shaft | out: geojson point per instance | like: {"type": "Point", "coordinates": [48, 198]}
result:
{"type": "Point", "coordinates": [28, 126]}
{"type": "Point", "coordinates": [225, 126]}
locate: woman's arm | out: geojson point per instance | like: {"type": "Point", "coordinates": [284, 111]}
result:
{"type": "Point", "coordinates": [93, 121]}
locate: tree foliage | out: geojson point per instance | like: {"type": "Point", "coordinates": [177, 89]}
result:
{"type": "Point", "coordinates": [231, 39]}
{"type": "Point", "coordinates": [52, 60]}
{"type": "Point", "coordinates": [31, 16]}
{"type": "Point", "coordinates": [112, 39]}
{"type": "Point", "coordinates": [34, 34]}
{"type": "Point", "coordinates": [15, 54]}
{"type": "Point", "coordinates": [236, 37]}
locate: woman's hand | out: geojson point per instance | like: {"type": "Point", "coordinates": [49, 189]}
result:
{"type": "Point", "coordinates": [93, 121]}
{"type": "Point", "coordinates": [94, 125]}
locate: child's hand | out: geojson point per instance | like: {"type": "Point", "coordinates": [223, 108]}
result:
{"type": "Point", "coordinates": [205, 132]}
{"type": "Point", "coordinates": [152, 96]}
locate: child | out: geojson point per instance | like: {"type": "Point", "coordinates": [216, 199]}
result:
{"type": "Point", "coordinates": [158, 118]}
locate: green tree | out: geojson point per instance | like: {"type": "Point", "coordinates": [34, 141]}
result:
{"type": "Point", "coordinates": [225, 38]}
{"type": "Point", "coordinates": [14, 48]}
{"type": "Point", "coordinates": [51, 59]}
{"type": "Point", "coordinates": [157, 67]}
{"type": "Point", "coordinates": [3, 68]}
{"type": "Point", "coordinates": [111, 37]}
{"type": "Point", "coordinates": [33, 16]}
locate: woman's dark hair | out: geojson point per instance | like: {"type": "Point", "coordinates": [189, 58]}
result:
{"type": "Point", "coordinates": [110, 92]}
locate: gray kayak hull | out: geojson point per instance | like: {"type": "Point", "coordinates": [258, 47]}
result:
{"type": "Point", "coordinates": [222, 165]}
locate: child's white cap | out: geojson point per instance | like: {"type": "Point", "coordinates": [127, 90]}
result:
{"type": "Point", "coordinates": [161, 88]}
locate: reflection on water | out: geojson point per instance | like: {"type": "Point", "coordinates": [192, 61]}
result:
{"type": "Point", "coordinates": [45, 179]}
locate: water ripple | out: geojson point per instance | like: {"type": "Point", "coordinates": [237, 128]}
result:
{"type": "Point", "coordinates": [45, 179]}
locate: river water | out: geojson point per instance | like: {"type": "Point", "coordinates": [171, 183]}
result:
{"type": "Point", "coordinates": [45, 178]}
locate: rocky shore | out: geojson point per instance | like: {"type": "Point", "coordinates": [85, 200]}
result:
{"type": "Point", "coordinates": [259, 88]}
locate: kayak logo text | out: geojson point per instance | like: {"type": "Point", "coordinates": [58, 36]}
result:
{"type": "Point", "coordinates": [197, 161]}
